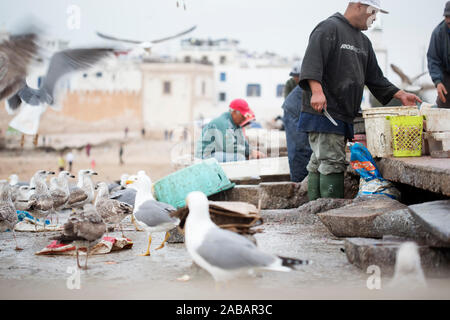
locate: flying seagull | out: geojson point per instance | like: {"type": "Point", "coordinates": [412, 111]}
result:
{"type": "Point", "coordinates": [16, 55]}
{"type": "Point", "coordinates": [223, 253]}
{"type": "Point", "coordinates": [61, 64]}
{"type": "Point", "coordinates": [410, 84]}
{"type": "Point", "coordinates": [146, 45]}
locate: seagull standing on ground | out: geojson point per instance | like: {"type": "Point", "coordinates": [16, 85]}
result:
{"type": "Point", "coordinates": [59, 190]}
{"type": "Point", "coordinates": [8, 215]}
{"type": "Point", "coordinates": [85, 229]}
{"type": "Point", "coordinates": [40, 204]}
{"type": "Point", "coordinates": [111, 211]}
{"type": "Point", "coordinates": [153, 216]}
{"type": "Point", "coordinates": [23, 195]}
{"type": "Point", "coordinates": [225, 254]}
{"type": "Point", "coordinates": [84, 191]}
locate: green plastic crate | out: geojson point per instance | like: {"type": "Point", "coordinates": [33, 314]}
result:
{"type": "Point", "coordinates": [207, 176]}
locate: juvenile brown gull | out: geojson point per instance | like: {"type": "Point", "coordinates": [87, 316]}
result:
{"type": "Point", "coordinates": [85, 229]}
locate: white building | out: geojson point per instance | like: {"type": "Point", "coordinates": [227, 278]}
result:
{"type": "Point", "coordinates": [175, 94]}
{"type": "Point", "coordinates": [257, 78]}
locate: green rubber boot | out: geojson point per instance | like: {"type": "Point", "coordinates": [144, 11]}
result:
{"type": "Point", "coordinates": [313, 186]}
{"type": "Point", "coordinates": [332, 186]}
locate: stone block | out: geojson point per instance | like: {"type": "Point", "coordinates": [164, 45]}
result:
{"type": "Point", "coordinates": [434, 217]}
{"type": "Point", "coordinates": [357, 219]}
{"type": "Point", "coordinates": [382, 253]}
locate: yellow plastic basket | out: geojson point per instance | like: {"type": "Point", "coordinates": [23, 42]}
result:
{"type": "Point", "coordinates": [406, 135]}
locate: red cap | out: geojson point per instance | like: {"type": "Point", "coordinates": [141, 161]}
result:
{"type": "Point", "coordinates": [242, 106]}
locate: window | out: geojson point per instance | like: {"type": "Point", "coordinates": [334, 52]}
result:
{"type": "Point", "coordinates": [223, 59]}
{"type": "Point", "coordinates": [223, 77]}
{"type": "Point", "coordinates": [187, 59]}
{"type": "Point", "coordinates": [222, 96]}
{"type": "Point", "coordinates": [203, 88]}
{"type": "Point", "coordinates": [167, 86]}
{"type": "Point", "coordinates": [205, 60]}
{"type": "Point", "coordinates": [99, 74]}
{"type": "Point", "coordinates": [280, 90]}
{"type": "Point", "coordinates": [253, 90]}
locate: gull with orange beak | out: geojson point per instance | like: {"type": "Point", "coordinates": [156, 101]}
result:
{"type": "Point", "coordinates": [153, 216]}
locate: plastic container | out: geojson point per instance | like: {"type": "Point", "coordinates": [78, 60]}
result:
{"type": "Point", "coordinates": [407, 135]}
{"type": "Point", "coordinates": [437, 119]}
{"type": "Point", "coordinates": [206, 176]}
{"type": "Point", "coordinates": [378, 128]}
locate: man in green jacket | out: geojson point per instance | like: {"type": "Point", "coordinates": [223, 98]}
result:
{"type": "Point", "coordinates": [223, 138]}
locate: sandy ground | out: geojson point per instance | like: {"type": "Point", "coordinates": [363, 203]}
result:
{"type": "Point", "coordinates": [153, 156]}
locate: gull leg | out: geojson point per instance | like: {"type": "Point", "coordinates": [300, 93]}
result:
{"type": "Point", "coordinates": [133, 220]}
{"type": "Point", "coordinates": [17, 246]}
{"type": "Point", "coordinates": [147, 253]}
{"type": "Point", "coordinates": [78, 261]}
{"type": "Point", "coordinates": [121, 230]}
{"type": "Point", "coordinates": [164, 242]}
{"type": "Point", "coordinates": [87, 256]}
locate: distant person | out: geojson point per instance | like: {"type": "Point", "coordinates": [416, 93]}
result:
{"type": "Point", "coordinates": [185, 134]}
{"type": "Point", "coordinates": [439, 59]}
{"type": "Point", "coordinates": [143, 132]}
{"type": "Point", "coordinates": [166, 135]}
{"type": "Point", "coordinates": [69, 159]}
{"type": "Point", "coordinates": [121, 154]}
{"type": "Point", "coordinates": [43, 141]}
{"type": "Point", "coordinates": [293, 81]}
{"type": "Point", "coordinates": [223, 138]}
{"type": "Point", "coordinates": [126, 132]}
{"type": "Point", "coordinates": [88, 150]}
{"type": "Point", "coordinates": [61, 162]}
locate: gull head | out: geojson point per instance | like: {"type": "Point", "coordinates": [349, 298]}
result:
{"type": "Point", "coordinates": [198, 205]}
{"type": "Point", "coordinates": [13, 179]}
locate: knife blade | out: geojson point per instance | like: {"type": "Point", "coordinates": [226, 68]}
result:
{"type": "Point", "coordinates": [325, 112]}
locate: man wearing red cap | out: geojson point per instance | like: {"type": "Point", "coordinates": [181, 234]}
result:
{"type": "Point", "coordinates": [223, 138]}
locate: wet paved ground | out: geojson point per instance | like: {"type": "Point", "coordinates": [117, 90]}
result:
{"type": "Point", "coordinates": [126, 275]}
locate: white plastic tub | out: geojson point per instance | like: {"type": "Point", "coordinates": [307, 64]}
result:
{"type": "Point", "coordinates": [378, 128]}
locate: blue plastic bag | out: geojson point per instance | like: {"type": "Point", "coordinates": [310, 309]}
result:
{"type": "Point", "coordinates": [372, 181]}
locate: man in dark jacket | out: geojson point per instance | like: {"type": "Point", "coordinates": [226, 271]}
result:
{"type": "Point", "coordinates": [299, 151]}
{"type": "Point", "coordinates": [338, 63]}
{"type": "Point", "coordinates": [439, 59]}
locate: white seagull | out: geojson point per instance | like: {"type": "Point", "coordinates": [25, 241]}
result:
{"type": "Point", "coordinates": [151, 215]}
{"type": "Point", "coordinates": [225, 254]}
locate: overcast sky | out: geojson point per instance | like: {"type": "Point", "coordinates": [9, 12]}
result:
{"type": "Point", "coordinates": [281, 26]}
